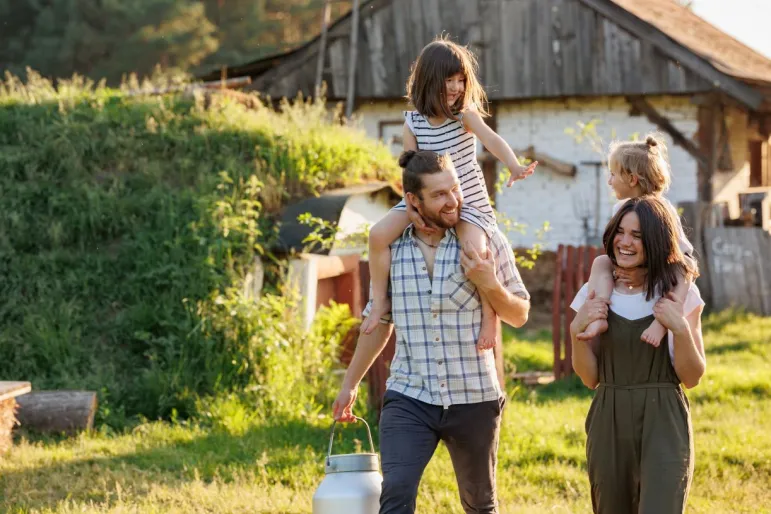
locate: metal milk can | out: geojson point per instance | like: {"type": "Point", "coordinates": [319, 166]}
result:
{"type": "Point", "coordinates": [352, 482]}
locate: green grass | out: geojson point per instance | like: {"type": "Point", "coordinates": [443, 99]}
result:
{"type": "Point", "coordinates": [235, 461]}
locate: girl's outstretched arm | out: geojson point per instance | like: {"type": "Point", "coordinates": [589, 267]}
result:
{"type": "Point", "coordinates": [497, 146]}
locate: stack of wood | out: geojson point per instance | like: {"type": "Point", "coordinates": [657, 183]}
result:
{"type": "Point", "coordinates": [9, 391]}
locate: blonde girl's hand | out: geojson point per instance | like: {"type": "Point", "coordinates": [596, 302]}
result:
{"type": "Point", "coordinates": [669, 312]}
{"type": "Point", "coordinates": [519, 172]}
{"type": "Point", "coordinates": [417, 220]}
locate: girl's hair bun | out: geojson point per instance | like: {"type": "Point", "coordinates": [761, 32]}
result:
{"type": "Point", "coordinates": [651, 141]}
{"type": "Point", "coordinates": [406, 157]}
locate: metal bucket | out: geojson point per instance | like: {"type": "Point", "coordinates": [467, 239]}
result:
{"type": "Point", "coordinates": [352, 483]}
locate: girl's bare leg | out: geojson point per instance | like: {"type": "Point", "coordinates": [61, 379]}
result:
{"type": "Point", "coordinates": [382, 234]}
{"type": "Point", "coordinates": [470, 233]}
{"type": "Point", "coordinates": [654, 334]}
{"type": "Point", "coordinates": [601, 282]}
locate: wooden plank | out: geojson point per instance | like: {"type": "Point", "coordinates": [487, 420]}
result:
{"type": "Point", "coordinates": [12, 389]}
{"type": "Point", "coordinates": [556, 312]}
{"type": "Point", "coordinates": [764, 261]}
{"type": "Point", "coordinates": [524, 47]}
{"type": "Point", "coordinates": [677, 52]}
{"type": "Point", "coordinates": [570, 292]}
{"type": "Point", "coordinates": [585, 30]}
{"type": "Point", "coordinates": [337, 52]}
{"type": "Point", "coordinates": [545, 48]}
{"type": "Point", "coordinates": [378, 76]}
{"type": "Point", "coordinates": [569, 47]}
{"type": "Point", "coordinates": [630, 54]}
{"type": "Point", "coordinates": [738, 265]}
{"type": "Point", "coordinates": [613, 58]}
{"type": "Point", "coordinates": [508, 67]}
{"type": "Point", "coordinates": [415, 18]}
{"type": "Point", "coordinates": [650, 73]}
{"type": "Point", "coordinates": [491, 28]}
{"type": "Point", "coordinates": [536, 66]}
{"type": "Point", "coordinates": [432, 19]}
{"type": "Point", "coordinates": [451, 21]}
{"type": "Point", "coordinates": [404, 54]}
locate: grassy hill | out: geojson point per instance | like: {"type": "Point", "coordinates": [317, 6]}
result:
{"type": "Point", "coordinates": [127, 225]}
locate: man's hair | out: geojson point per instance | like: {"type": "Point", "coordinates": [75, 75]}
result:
{"type": "Point", "coordinates": [658, 231]}
{"type": "Point", "coordinates": [415, 164]}
{"type": "Point", "coordinates": [438, 61]}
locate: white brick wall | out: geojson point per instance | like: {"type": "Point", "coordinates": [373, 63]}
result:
{"type": "Point", "coordinates": [547, 196]}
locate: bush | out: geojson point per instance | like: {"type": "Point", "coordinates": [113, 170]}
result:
{"type": "Point", "coordinates": [127, 226]}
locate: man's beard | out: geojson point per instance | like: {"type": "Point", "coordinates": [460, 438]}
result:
{"type": "Point", "coordinates": [437, 221]}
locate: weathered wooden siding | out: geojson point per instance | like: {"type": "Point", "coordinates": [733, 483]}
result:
{"type": "Point", "coordinates": [526, 49]}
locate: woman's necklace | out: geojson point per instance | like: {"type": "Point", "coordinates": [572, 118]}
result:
{"type": "Point", "coordinates": [427, 244]}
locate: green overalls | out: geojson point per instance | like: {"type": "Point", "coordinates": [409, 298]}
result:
{"type": "Point", "coordinates": [639, 445]}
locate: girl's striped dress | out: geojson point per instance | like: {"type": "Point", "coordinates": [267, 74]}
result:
{"type": "Point", "coordinates": [452, 138]}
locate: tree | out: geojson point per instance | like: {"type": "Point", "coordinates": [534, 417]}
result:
{"type": "Point", "coordinates": [109, 38]}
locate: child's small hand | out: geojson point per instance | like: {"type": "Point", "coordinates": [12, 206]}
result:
{"type": "Point", "coordinates": [417, 220]}
{"type": "Point", "coordinates": [520, 172]}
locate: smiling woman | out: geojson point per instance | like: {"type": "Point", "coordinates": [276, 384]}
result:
{"type": "Point", "coordinates": [640, 408]}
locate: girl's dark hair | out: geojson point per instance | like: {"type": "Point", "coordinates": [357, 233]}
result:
{"type": "Point", "coordinates": [415, 164]}
{"type": "Point", "coordinates": [438, 61]}
{"type": "Point", "coordinates": [658, 231]}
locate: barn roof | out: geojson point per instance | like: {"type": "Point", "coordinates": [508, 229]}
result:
{"type": "Point", "coordinates": [528, 49]}
{"type": "Point", "coordinates": [684, 26]}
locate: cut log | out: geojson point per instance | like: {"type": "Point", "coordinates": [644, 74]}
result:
{"type": "Point", "coordinates": [57, 411]}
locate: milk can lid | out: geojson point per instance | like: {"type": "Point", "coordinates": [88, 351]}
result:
{"type": "Point", "coordinates": [351, 462]}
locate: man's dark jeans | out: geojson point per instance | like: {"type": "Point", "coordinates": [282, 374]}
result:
{"type": "Point", "coordinates": [410, 431]}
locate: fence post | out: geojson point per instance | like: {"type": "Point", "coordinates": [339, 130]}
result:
{"type": "Point", "coordinates": [556, 313]}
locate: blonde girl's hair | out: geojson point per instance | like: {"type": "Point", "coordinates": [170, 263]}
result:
{"type": "Point", "coordinates": [646, 160]}
{"type": "Point", "coordinates": [438, 61]}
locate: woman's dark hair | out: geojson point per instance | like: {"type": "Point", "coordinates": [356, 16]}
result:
{"type": "Point", "coordinates": [415, 164]}
{"type": "Point", "coordinates": [438, 61]}
{"type": "Point", "coordinates": [658, 231]}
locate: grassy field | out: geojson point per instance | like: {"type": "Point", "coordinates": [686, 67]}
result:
{"type": "Point", "coordinates": [239, 463]}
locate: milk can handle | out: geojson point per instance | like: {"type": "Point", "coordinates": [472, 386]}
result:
{"type": "Point", "coordinates": [332, 436]}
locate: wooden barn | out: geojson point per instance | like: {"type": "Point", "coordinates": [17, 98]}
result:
{"type": "Point", "coordinates": [630, 66]}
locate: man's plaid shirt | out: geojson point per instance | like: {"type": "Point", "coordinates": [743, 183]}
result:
{"type": "Point", "coordinates": [438, 322]}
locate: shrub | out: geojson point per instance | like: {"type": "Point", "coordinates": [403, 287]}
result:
{"type": "Point", "coordinates": [127, 226]}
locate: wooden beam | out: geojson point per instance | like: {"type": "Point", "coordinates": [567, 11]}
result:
{"type": "Point", "coordinates": [664, 124]}
{"type": "Point", "coordinates": [353, 56]}
{"type": "Point", "coordinates": [322, 49]}
{"type": "Point", "coordinates": [13, 389]}
{"type": "Point", "coordinates": [676, 51]}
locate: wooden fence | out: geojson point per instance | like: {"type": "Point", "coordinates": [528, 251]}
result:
{"type": "Point", "coordinates": [739, 266]}
{"type": "Point", "coordinates": [572, 268]}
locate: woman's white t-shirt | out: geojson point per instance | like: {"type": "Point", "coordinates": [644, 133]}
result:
{"type": "Point", "coordinates": [635, 306]}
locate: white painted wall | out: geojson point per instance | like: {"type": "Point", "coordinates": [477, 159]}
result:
{"type": "Point", "coordinates": [547, 196]}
